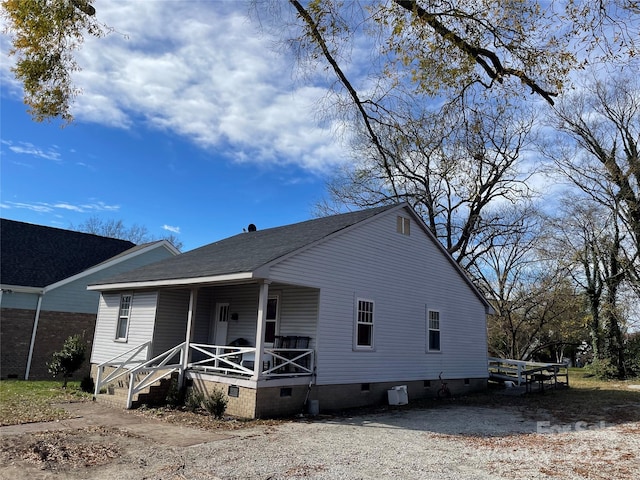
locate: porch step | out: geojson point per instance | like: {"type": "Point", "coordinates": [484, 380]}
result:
{"type": "Point", "coordinates": [154, 394]}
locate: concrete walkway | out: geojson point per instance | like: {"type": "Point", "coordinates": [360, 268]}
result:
{"type": "Point", "coordinates": [88, 414]}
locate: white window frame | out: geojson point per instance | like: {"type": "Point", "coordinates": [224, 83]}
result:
{"type": "Point", "coordinates": [435, 326]}
{"type": "Point", "coordinates": [364, 317]}
{"type": "Point", "coordinates": [122, 317]}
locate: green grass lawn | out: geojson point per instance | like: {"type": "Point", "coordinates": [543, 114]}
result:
{"type": "Point", "coordinates": [588, 399]}
{"type": "Point", "coordinates": [593, 399]}
{"type": "Point", "coordinates": [34, 401]}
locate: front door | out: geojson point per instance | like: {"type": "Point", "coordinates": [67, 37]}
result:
{"type": "Point", "coordinates": [218, 335]}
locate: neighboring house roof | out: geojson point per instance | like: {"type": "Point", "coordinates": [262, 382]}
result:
{"type": "Point", "coordinates": [245, 252]}
{"type": "Point", "coordinates": [37, 256]}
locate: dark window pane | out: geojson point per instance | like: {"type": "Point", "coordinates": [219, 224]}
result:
{"type": "Point", "coordinates": [434, 340]}
{"type": "Point", "coordinates": [272, 308]}
{"type": "Point", "coordinates": [364, 335]}
{"type": "Point", "coordinates": [270, 332]}
{"type": "Point", "coordinates": [122, 328]}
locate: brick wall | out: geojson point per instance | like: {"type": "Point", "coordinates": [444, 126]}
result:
{"type": "Point", "coordinates": [15, 335]}
{"type": "Point", "coordinates": [243, 406]}
{"type": "Point", "coordinates": [53, 329]}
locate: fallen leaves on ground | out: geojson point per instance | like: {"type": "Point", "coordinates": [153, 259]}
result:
{"type": "Point", "coordinates": [201, 420]}
{"type": "Point", "coordinates": [80, 448]}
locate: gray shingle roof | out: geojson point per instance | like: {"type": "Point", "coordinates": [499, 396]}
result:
{"type": "Point", "coordinates": [245, 252]}
{"type": "Point", "coordinates": [37, 256]}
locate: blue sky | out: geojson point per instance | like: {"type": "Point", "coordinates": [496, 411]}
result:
{"type": "Point", "coordinates": [189, 122]}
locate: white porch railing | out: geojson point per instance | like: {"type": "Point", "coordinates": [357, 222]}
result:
{"type": "Point", "coordinates": [154, 370]}
{"type": "Point", "coordinates": [290, 361]}
{"type": "Point", "coordinates": [121, 367]}
{"type": "Point", "coordinates": [277, 362]}
{"type": "Point", "coordinates": [222, 359]}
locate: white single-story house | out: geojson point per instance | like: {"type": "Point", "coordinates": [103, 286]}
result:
{"type": "Point", "coordinates": [335, 310]}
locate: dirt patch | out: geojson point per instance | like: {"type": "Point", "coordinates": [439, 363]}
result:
{"type": "Point", "coordinates": [86, 447]}
{"type": "Point", "coordinates": [451, 442]}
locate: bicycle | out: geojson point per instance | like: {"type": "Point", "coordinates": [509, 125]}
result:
{"type": "Point", "coordinates": [443, 391]}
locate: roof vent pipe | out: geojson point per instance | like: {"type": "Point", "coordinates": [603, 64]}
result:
{"type": "Point", "coordinates": [252, 227]}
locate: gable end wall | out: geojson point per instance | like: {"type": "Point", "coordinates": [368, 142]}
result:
{"type": "Point", "coordinates": [404, 276]}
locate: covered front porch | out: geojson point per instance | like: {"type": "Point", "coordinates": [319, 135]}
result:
{"type": "Point", "coordinates": [249, 334]}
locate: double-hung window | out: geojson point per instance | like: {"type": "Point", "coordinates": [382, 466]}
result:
{"type": "Point", "coordinates": [124, 313]}
{"type": "Point", "coordinates": [364, 325]}
{"type": "Point", "coordinates": [433, 331]}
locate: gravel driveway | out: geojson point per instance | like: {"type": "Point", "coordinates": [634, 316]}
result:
{"type": "Point", "coordinates": [457, 442]}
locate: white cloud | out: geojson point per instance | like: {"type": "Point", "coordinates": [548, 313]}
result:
{"type": "Point", "coordinates": [171, 229]}
{"type": "Point", "coordinates": [44, 207]}
{"type": "Point", "coordinates": [26, 148]}
{"type": "Point", "coordinates": [202, 71]}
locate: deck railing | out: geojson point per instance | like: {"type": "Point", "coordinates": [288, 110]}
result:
{"type": "Point", "coordinates": [522, 372]}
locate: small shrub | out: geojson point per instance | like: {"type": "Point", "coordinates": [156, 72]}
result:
{"type": "Point", "coordinates": [175, 396]}
{"type": "Point", "coordinates": [194, 401]}
{"type": "Point", "coordinates": [603, 369]}
{"type": "Point", "coordinates": [87, 384]}
{"type": "Point", "coordinates": [69, 359]}
{"type": "Point", "coordinates": [216, 403]}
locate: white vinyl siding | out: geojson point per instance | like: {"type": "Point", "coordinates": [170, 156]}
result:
{"type": "Point", "coordinates": [171, 320]}
{"type": "Point", "coordinates": [141, 325]}
{"type": "Point", "coordinates": [402, 273]}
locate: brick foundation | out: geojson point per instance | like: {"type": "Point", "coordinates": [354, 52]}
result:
{"type": "Point", "coordinates": [339, 397]}
{"type": "Point", "coordinates": [54, 328]}
{"type": "Point", "coordinates": [269, 402]}
{"type": "Point", "coordinates": [243, 406]}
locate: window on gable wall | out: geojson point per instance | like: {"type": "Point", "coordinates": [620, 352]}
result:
{"type": "Point", "coordinates": [364, 325]}
{"type": "Point", "coordinates": [403, 225]}
{"type": "Point", "coordinates": [433, 330]}
{"type": "Point", "coordinates": [124, 314]}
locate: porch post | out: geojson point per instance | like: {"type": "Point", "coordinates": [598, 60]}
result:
{"type": "Point", "coordinates": [260, 328]}
{"type": "Point", "coordinates": [186, 352]}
